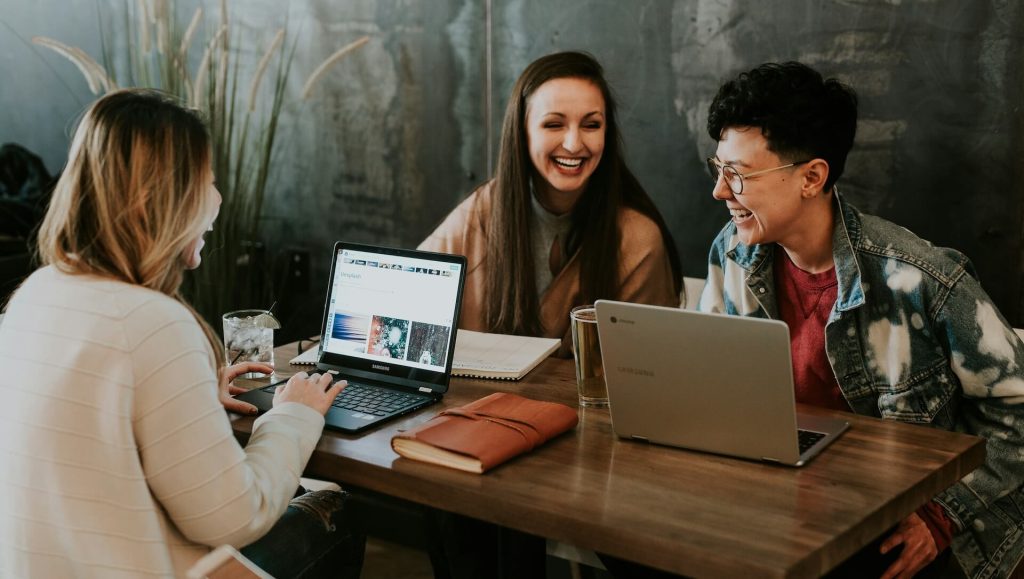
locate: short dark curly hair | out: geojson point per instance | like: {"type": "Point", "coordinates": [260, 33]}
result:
{"type": "Point", "coordinates": [801, 114]}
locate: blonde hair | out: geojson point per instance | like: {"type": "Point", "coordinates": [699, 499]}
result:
{"type": "Point", "coordinates": [133, 196]}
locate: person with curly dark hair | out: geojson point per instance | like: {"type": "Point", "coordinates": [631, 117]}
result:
{"type": "Point", "coordinates": [882, 323]}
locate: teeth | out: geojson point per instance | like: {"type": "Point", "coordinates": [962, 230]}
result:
{"type": "Point", "coordinates": [740, 213]}
{"type": "Point", "coordinates": [567, 162]}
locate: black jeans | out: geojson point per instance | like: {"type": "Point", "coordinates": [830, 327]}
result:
{"type": "Point", "coordinates": [314, 538]}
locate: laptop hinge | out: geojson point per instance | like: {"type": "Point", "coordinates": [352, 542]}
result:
{"type": "Point", "coordinates": [638, 437]}
{"type": "Point", "coordinates": [769, 459]}
{"type": "Point", "coordinates": [425, 390]}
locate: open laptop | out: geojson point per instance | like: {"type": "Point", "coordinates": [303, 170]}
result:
{"type": "Point", "coordinates": [709, 382]}
{"type": "Point", "coordinates": [389, 328]}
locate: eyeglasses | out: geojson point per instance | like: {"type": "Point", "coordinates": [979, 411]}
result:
{"type": "Point", "coordinates": [734, 179]}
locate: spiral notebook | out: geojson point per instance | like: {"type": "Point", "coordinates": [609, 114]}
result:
{"type": "Point", "coordinates": [499, 356]}
{"type": "Point", "coordinates": [307, 358]}
{"type": "Point", "coordinates": [482, 355]}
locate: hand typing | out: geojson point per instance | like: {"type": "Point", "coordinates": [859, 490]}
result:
{"type": "Point", "coordinates": [314, 391]}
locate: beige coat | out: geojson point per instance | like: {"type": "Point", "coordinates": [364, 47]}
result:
{"type": "Point", "coordinates": [644, 268]}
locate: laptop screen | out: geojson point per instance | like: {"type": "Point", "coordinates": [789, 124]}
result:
{"type": "Point", "coordinates": [393, 312]}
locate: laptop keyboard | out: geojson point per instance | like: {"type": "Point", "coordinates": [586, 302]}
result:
{"type": "Point", "coordinates": [807, 439]}
{"type": "Point", "coordinates": [371, 399]}
{"type": "Point", "coordinates": [374, 400]}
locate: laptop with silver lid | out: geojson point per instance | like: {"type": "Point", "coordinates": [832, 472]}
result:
{"type": "Point", "coordinates": [708, 382]}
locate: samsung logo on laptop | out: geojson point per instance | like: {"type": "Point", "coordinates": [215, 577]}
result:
{"type": "Point", "coordinates": [380, 367]}
{"type": "Point", "coordinates": [636, 371]}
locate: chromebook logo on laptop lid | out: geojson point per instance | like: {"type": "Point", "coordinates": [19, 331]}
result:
{"type": "Point", "coordinates": [674, 377]}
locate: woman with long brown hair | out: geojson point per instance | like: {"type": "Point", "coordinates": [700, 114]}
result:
{"type": "Point", "coordinates": [118, 458]}
{"type": "Point", "coordinates": [564, 221]}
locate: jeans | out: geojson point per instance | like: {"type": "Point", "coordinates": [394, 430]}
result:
{"type": "Point", "coordinates": [312, 539]}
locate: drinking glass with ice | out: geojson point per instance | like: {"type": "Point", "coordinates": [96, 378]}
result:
{"type": "Point", "coordinates": [249, 337]}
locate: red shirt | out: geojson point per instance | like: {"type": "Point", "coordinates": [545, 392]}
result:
{"type": "Point", "coordinates": [805, 301]}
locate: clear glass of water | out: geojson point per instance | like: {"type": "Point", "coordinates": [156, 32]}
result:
{"type": "Point", "coordinates": [247, 338]}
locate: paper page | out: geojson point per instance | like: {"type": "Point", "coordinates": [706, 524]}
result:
{"type": "Point", "coordinates": [500, 352]}
{"type": "Point", "coordinates": [310, 356]}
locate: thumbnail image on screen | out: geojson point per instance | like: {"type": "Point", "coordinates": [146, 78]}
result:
{"type": "Point", "coordinates": [388, 337]}
{"type": "Point", "coordinates": [428, 344]}
{"type": "Point", "coordinates": [349, 332]}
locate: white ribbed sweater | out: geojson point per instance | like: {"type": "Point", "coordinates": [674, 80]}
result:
{"type": "Point", "coordinates": [116, 458]}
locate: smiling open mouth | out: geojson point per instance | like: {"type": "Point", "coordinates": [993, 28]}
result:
{"type": "Point", "coordinates": [568, 163]}
{"type": "Point", "coordinates": [740, 215]}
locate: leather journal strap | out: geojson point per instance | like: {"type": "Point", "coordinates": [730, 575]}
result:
{"type": "Point", "coordinates": [528, 431]}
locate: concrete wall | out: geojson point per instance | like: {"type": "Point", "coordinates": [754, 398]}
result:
{"type": "Point", "coordinates": [404, 129]}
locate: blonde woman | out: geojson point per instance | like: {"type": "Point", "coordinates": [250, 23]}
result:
{"type": "Point", "coordinates": [118, 458]}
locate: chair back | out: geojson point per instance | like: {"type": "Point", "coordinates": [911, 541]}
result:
{"type": "Point", "coordinates": [692, 287]}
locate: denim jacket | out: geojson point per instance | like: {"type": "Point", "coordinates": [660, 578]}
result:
{"type": "Point", "coordinates": [912, 337]}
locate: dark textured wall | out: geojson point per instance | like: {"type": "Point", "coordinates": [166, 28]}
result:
{"type": "Point", "coordinates": [398, 134]}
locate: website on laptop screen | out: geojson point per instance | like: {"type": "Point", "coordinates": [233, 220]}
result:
{"type": "Point", "coordinates": [392, 308]}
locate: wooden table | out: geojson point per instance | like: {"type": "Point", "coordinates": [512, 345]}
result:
{"type": "Point", "coordinates": [686, 512]}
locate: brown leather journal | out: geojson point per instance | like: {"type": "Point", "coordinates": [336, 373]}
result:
{"type": "Point", "coordinates": [485, 433]}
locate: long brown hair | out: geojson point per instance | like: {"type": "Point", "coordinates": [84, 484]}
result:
{"type": "Point", "coordinates": [134, 195]}
{"type": "Point", "coordinates": [512, 305]}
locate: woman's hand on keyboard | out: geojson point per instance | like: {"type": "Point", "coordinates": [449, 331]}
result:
{"type": "Point", "coordinates": [314, 391]}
